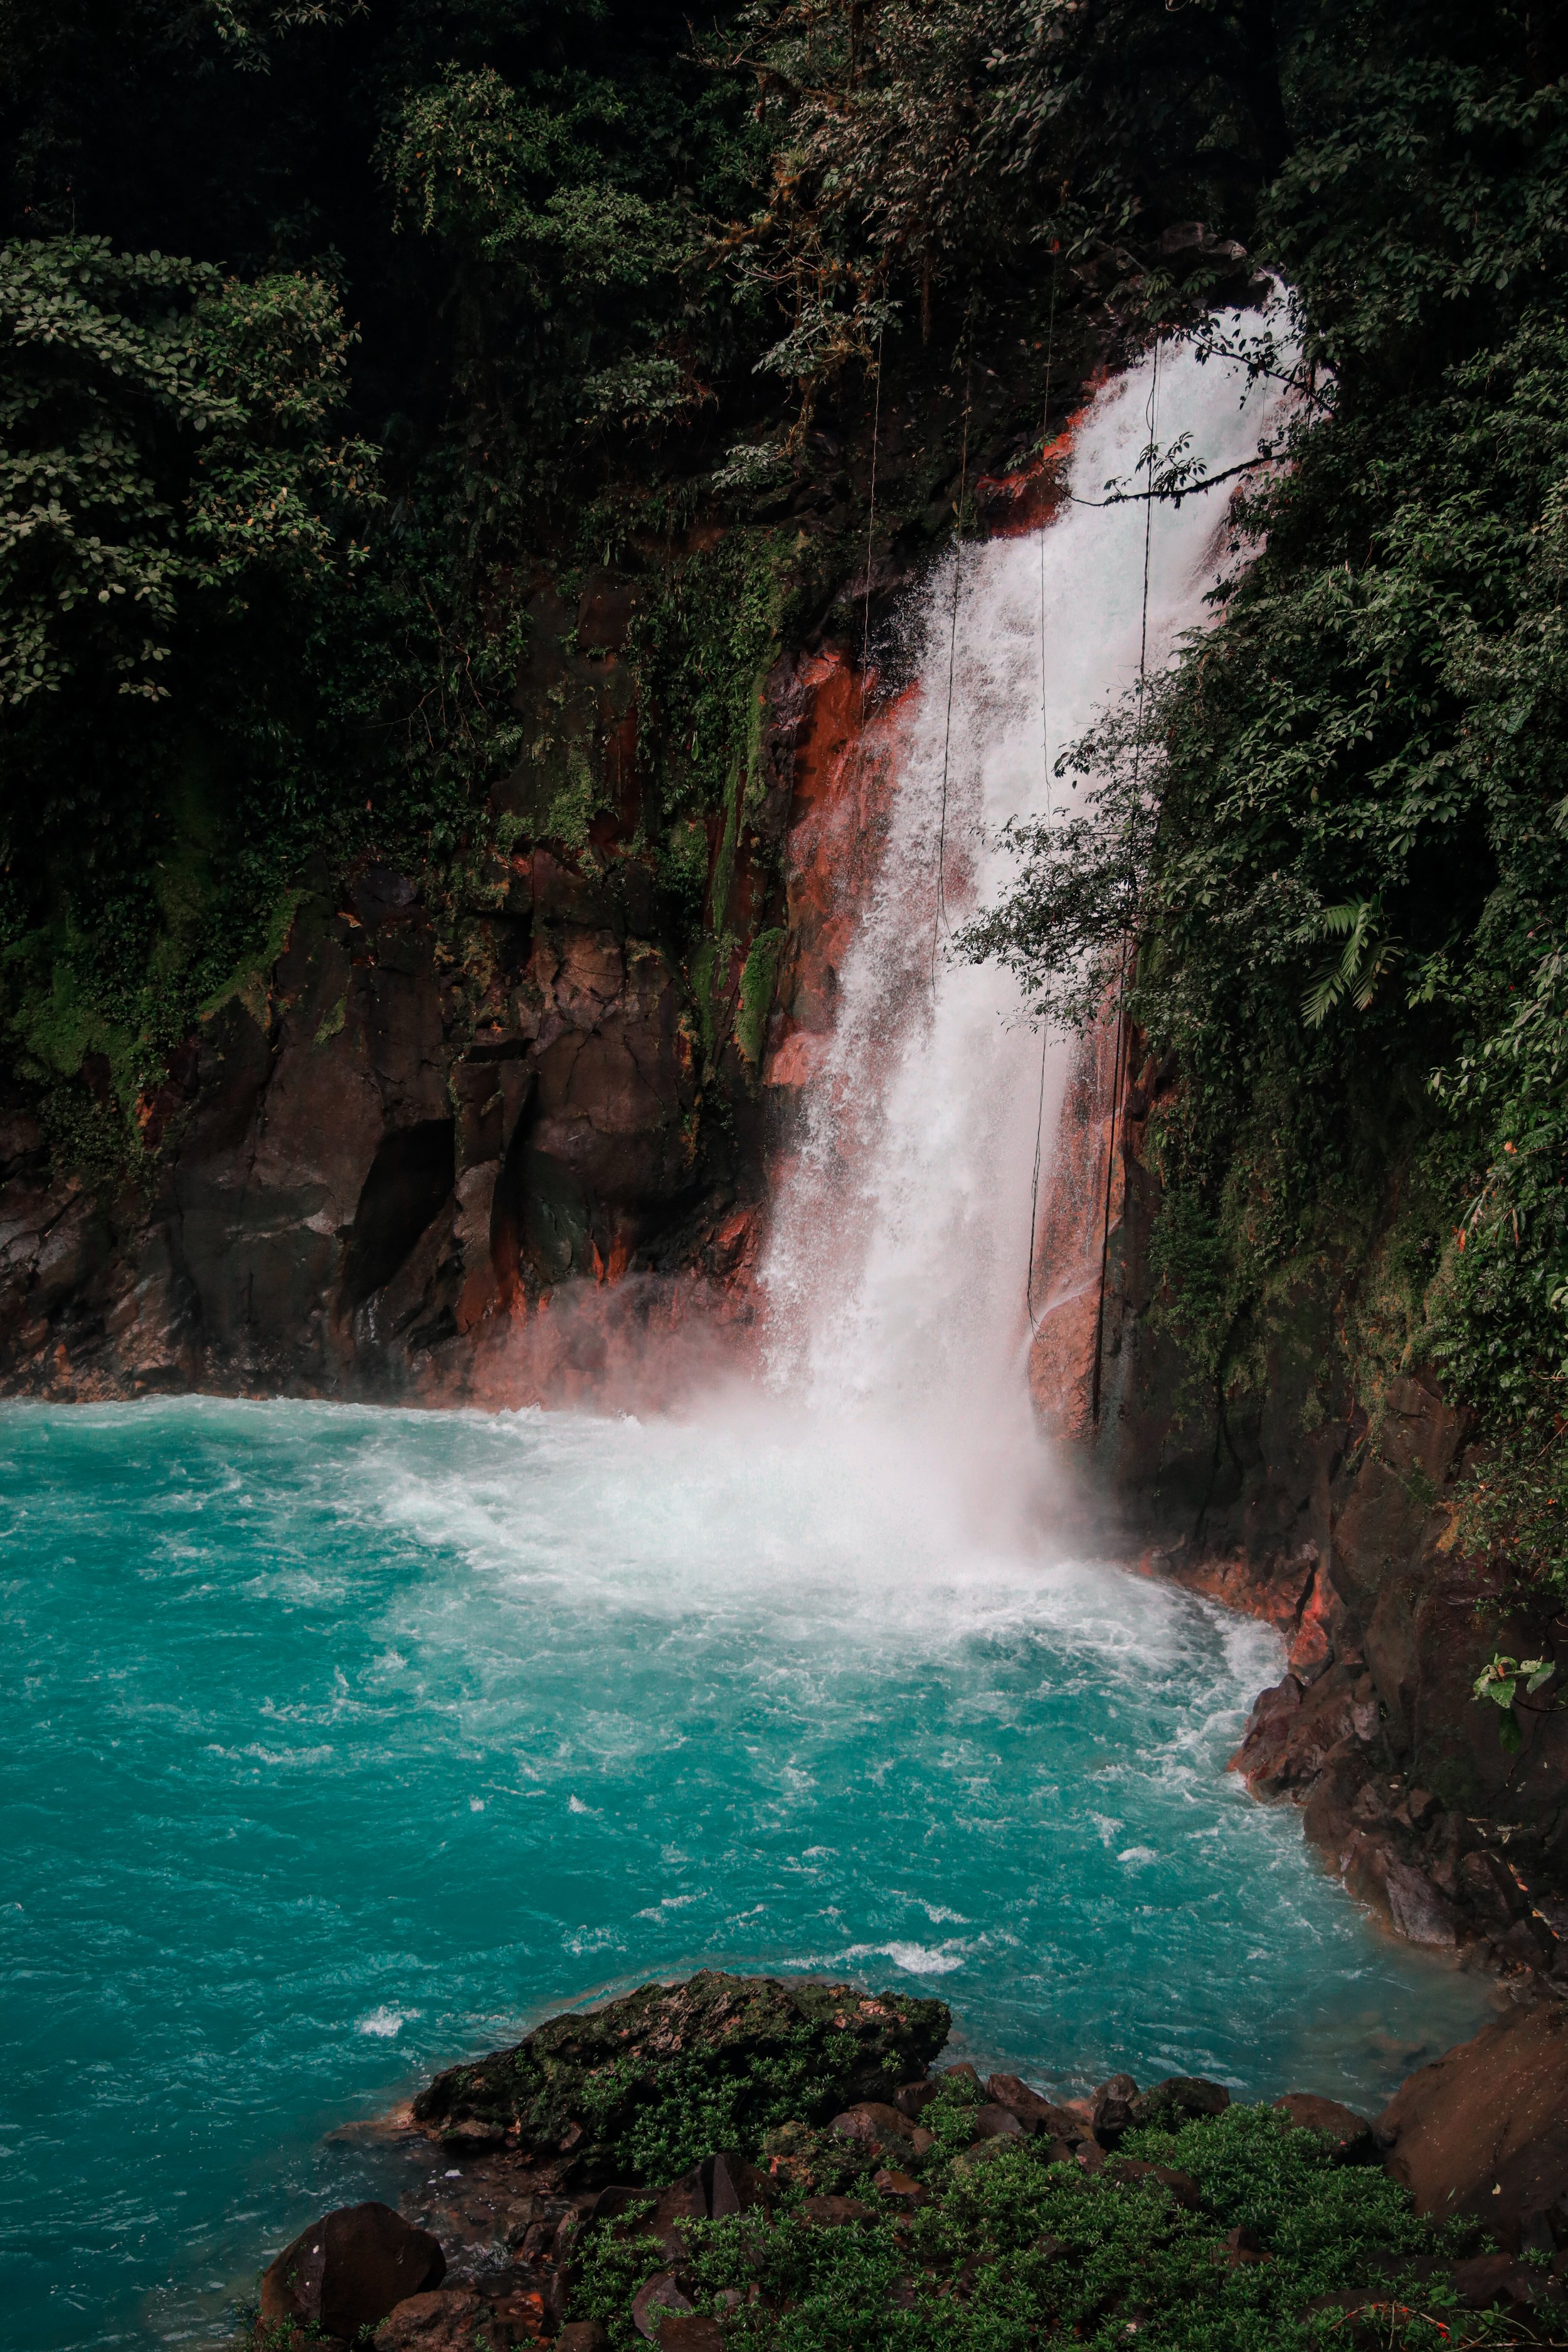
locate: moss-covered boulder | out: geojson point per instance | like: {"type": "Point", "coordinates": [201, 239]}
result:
{"type": "Point", "coordinates": [652, 2083]}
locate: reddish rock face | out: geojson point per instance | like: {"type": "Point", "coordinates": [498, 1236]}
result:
{"type": "Point", "coordinates": [1328, 1520]}
{"type": "Point", "coordinates": [470, 1153]}
{"type": "Point", "coordinates": [1485, 2129]}
{"type": "Point", "coordinates": [385, 1164]}
{"type": "Point", "coordinates": [843, 744]}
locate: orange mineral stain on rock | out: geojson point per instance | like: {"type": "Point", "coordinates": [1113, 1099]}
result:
{"type": "Point", "coordinates": [845, 772]}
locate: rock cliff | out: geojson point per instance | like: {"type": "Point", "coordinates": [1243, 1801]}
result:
{"type": "Point", "coordinates": [1322, 1501]}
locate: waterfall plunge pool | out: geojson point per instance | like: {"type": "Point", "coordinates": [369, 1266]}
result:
{"type": "Point", "coordinates": [342, 1742]}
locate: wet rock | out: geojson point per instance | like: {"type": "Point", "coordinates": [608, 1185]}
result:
{"type": "Point", "coordinates": [961, 2072]}
{"type": "Point", "coordinates": [534, 2091]}
{"type": "Point", "coordinates": [349, 2271]}
{"type": "Point", "coordinates": [691, 2332]}
{"type": "Point", "coordinates": [994, 2121]}
{"type": "Point", "coordinates": [1375, 1865]}
{"type": "Point", "coordinates": [1110, 2111]}
{"type": "Point", "coordinates": [583, 2335]}
{"type": "Point", "coordinates": [871, 2122]}
{"type": "Point", "coordinates": [900, 2189]}
{"type": "Point", "coordinates": [833, 2212]}
{"type": "Point", "coordinates": [1178, 2099]}
{"type": "Point", "coordinates": [1488, 2279]}
{"type": "Point", "coordinates": [1351, 2134]}
{"type": "Point", "coordinates": [1489, 1888]}
{"type": "Point", "coordinates": [1036, 2112]}
{"type": "Point", "coordinates": [659, 2297]}
{"type": "Point", "coordinates": [1181, 2185]}
{"type": "Point", "coordinates": [1292, 1733]}
{"type": "Point", "coordinates": [913, 2099]}
{"type": "Point", "coordinates": [1484, 2130]}
{"type": "Point", "coordinates": [734, 2186]}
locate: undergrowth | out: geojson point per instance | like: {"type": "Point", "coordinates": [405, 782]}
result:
{"type": "Point", "coordinates": [1013, 2251]}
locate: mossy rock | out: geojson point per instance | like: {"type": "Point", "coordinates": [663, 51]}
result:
{"type": "Point", "coordinates": [652, 2083]}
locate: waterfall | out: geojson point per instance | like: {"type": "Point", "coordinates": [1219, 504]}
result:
{"type": "Point", "coordinates": [896, 1274]}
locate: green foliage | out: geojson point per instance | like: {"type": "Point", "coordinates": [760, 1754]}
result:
{"type": "Point", "coordinates": [1370, 751]}
{"type": "Point", "coordinates": [928, 161]}
{"type": "Point", "coordinates": [702, 2101]}
{"type": "Point", "coordinates": [1013, 2251]}
{"type": "Point", "coordinates": [259, 602]}
{"type": "Point", "coordinates": [756, 996]}
{"type": "Point", "coordinates": [1498, 1682]}
{"type": "Point", "coordinates": [204, 663]}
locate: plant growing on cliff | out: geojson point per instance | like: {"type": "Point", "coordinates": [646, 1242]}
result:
{"type": "Point", "coordinates": [1498, 1682]}
{"type": "Point", "coordinates": [1369, 750]}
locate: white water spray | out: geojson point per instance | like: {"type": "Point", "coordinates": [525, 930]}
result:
{"type": "Point", "coordinates": [897, 1272]}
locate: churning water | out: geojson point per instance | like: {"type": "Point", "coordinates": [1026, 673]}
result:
{"type": "Point", "coordinates": [340, 1743]}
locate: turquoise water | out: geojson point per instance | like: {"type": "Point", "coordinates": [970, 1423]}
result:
{"type": "Point", "coordinates": [340, 1743]}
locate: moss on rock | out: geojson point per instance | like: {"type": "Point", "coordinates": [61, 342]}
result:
{"type": "Point", "coordinates": [653, 2081]}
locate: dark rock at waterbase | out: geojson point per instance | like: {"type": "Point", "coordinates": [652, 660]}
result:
{"type": "Point", "coordinates": [846, 2045]}
{"type": "Point", "coordinates": [1110, 2114]}
{"type": "Point", "coordinates": [349, 2271]}
{"type": "Point", "coordinates": [1484, 2131]}
{"type": "Point", "coordinates": [1036, 2112]}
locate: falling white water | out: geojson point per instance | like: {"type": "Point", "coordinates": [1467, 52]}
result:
{"type": "Point", "coordinates": [897, 1272]}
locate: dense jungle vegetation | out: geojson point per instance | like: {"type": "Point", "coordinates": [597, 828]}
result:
{"type": "Point", "coordinates": [331, 329]}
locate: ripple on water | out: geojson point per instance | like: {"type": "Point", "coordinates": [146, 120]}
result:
{"type": "Point", "coordinates": [341, 1742]}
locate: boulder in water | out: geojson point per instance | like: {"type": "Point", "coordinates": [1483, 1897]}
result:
{"type": "Point", "coordinates": [350, 2270]}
